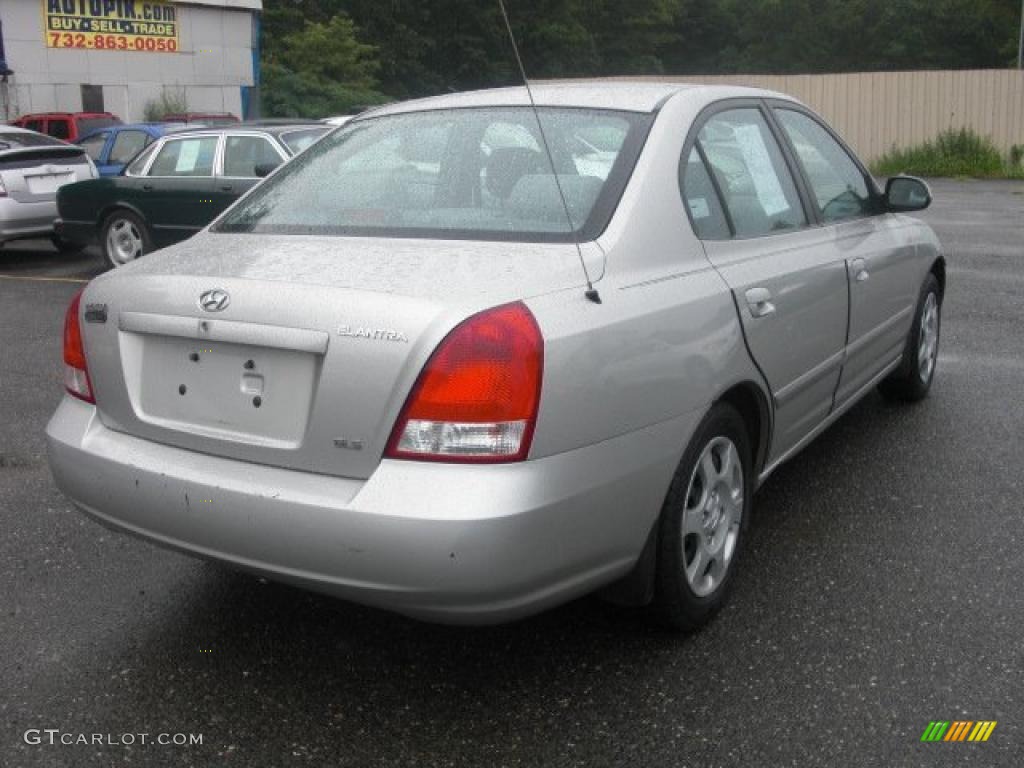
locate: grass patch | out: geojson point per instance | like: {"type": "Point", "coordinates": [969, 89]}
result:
{"type": "Point", "coordinates": [961, 153]}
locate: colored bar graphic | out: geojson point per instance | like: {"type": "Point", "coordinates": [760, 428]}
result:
{"type": "Point", "coordinates": [958, 730]}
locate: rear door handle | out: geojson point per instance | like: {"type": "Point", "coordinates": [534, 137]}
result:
{"type": "Point", "coordinates": [859, 270]}
{"type": "Point", "coordinates": [759, 301]}
{"type": "Point", "coordinates": [147, 187]}
{"type": "Point", "coordinates": [227, 187]}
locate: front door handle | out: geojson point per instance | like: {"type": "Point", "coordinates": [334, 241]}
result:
{"type": "Point", "coordinates": [759, 301]}
{"type": "Point", "coordinates": [859, 270]}
{"type": "Point", "coordinates": [147, 187]}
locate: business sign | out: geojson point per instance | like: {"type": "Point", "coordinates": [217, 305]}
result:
{"type": "Point", "coordinates": [111, 25]}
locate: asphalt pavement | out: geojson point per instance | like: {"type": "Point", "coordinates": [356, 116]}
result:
{"type": "Point", "coordinates": [883, 588]}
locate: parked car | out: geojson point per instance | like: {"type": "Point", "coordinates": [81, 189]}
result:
{"type": "Point", "coordinates": [174, 188]}
{"type": "Point", "coordinates": [206, 118]}
{"type": "Point", "coordinates": [67, 126]}
{"type": "Point", "coordinates": [456, 385]}
{"type": "Point", "coordinates": [113, 147]}
{"type": "Point", "coordinates": [32, 168]}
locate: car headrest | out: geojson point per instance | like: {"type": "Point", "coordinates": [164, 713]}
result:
{"type": "Point", "coordinates": [535, 197]}
{"type": "Point", "coordinates": [507, 165]}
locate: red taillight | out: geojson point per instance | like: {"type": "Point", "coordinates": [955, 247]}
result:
{"type": "Point", "coordinates": [476, 399]}
{"type": "Point", "coordinates": [76, 372]}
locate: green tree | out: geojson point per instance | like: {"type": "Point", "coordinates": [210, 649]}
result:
{"type": "Point", "coordinates": [318, 69]}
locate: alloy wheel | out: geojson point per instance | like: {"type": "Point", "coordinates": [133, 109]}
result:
{"type": "Point", "coordinates": [928, 338]}
{"type": "Point", "coordinates": [712, 516]}
{"type": "Point", "coordinates": [124, 241]}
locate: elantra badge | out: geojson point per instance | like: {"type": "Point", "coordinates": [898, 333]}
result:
{"type": "Point", "coordinates": [214, 300]}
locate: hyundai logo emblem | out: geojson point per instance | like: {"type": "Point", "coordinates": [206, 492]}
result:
{"type": "Point", "coordinates": [214, 300]}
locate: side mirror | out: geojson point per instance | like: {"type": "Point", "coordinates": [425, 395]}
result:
{"type": "Point", "coordinates": [263, 170]}
{"type": "Point", "coordinates": [907, 193]}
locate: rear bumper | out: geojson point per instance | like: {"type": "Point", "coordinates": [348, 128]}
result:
{"type": "Point", "coordinates": [19, 220]}
{"type": "Point", "coordinates": [445, 542]}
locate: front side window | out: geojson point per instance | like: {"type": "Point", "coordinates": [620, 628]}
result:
{"type": "Point", "coordinates": [185, 157]}
{"type": "Point", "coordinates": [479, 173]}
{"type": "Point", "coordinates": [242, 154]}
{"type": "Point", "coordinates": [127, 145]}
{"type": "Point", "coordinates": [138, 165]}
{"type": "Point", "coordinates": [751, 173]}
{"type": "Point", "coordinates": [839, 187]}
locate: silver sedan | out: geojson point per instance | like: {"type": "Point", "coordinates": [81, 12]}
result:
{"type": "Point", "coordinates": [32, 168]}
{"type": "Point", "coordinates": [456, 366]}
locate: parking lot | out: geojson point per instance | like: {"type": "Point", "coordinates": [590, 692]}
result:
{"type": "Point", "coordinates": [881, 590]}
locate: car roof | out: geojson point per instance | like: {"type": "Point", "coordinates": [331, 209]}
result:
{"type": "Point", "coordinates": [118, 127]}
{"type": "Point", "coordinates": [626, 95]}
{"type": "Point", "coordinates": [273, 129]}
{"type": "Point", "coordinates": [76, 115]}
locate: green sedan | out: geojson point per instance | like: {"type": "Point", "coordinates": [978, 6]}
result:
{"type": "Point", "coordinates": [175, 187]}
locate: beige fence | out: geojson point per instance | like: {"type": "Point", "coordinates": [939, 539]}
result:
{"type": "Point", "coordinates": [875, 111]}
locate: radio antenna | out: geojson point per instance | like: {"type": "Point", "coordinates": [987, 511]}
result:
{"type": "Point", "coordinates": [591, 292]}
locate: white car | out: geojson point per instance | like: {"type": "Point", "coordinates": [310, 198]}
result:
{"type": "Point", "coordinates": [32, 168]}
{"type": "Point", "coordinates": [338, 120]}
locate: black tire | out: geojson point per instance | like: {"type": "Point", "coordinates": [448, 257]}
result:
{"type": "Point", "coordinates": [679, 604]}
{"type": "Point", "coordinates": [911, 382]}
{"type": "Point", "coordinates": [65, 246]}
{"type": "Point", "coordinates": [134, 227]}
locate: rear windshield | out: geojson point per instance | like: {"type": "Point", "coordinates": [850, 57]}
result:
{"type": "Point", "coordinates": [18, 140]}
{"type": "Point", "coordinates": [479, 173]}
{"type": "Point", "coordinates": [86, 124]}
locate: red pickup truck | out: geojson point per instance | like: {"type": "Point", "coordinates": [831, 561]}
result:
{"type": "Point", "coordinates": [67, 126]}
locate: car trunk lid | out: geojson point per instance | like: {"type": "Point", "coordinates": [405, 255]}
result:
{"type": "Point", "coordinates": [34, 174]}
{"type": "Point", "coordinates": [308, 360]}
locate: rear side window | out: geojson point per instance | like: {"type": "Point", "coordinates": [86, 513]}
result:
{"type": "Point", "coordinates": [127, 145]}
{"type": "Point", "coordinates": [186, 157]}
{"type": "Point", "coordinates": [706, 212]}
{"type": "Point", "coordinates": [296, 141]}
{"type": "Point", "coordinates": [93, 145]}
{"type": "Point", "coordinates": [839, 187]}
{"type": "Point", "coordinates": [243, 153]}
{"type": "Point", "coordinates": [756, 185]}
{"type": "Point", "coordinates": [59, 128]}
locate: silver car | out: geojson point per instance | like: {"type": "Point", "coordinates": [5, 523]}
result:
{"type": "Point", "coordinates": [32, 168]}
{"type": "Point", "coordinates": [418, 369]}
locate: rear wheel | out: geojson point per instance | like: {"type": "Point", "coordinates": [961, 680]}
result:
{"type": "Point", "coordinates": [124, 238]}
{"type": "Point", "coordinates": [704, 521]}
{"type": "Point", "coordinates": [912, 380]}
